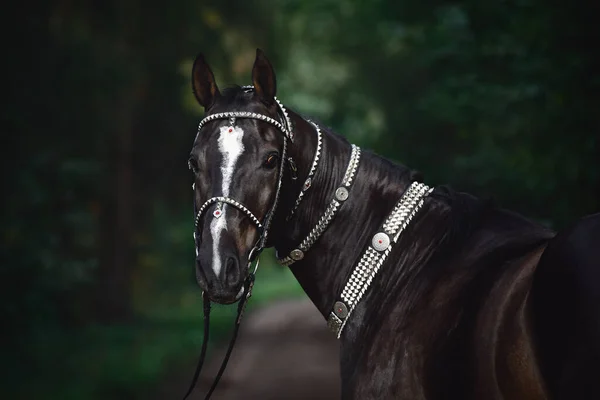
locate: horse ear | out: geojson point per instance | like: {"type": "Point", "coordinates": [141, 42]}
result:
{"type": "Point", "coordinates": [263, 78]}
{"type": "Point", "coordinates": [203, 83]}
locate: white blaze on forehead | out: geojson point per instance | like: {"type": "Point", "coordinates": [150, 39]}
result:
{"type": "Point", "coordinates": [230, 147]}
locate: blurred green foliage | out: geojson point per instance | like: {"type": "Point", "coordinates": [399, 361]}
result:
{"type": "Point", "coordinates": [498, 98]}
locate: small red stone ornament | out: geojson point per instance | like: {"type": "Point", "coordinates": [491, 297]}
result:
{"type": "Point", "coordinates": [340, 310]}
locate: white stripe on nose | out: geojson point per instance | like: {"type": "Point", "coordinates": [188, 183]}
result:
{"type": "Point", "coordinates": [231, 147]}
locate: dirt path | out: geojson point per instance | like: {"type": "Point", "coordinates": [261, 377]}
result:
{"type": "Point", "coordinates": [284, 351]}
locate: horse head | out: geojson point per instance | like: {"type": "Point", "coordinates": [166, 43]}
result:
{"type": "Point", "coordinates": [237, 160]}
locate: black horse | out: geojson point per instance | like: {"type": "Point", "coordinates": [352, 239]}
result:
{"type": "Point", "coordinates": [472, 301]}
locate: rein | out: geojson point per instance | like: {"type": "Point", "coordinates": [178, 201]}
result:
{"type": "Point", "coordinates": [248, 285]}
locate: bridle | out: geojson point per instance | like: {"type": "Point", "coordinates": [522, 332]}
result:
{"type": "Point", "coordinates": [285, 127]}
{"type": "Point", "coordinates": [410, 202]}
{"type": "Point", "coordinates": [340, 196]}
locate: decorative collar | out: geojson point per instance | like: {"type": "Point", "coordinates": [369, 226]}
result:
{"type": "Point", "coordinates": [340, 196]}
{"type": "Point", "coordinates": [375, 255]}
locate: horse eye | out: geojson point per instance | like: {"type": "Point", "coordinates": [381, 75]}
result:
{"type": "Point", "coordinates": [271, 160]}
{"type": "Point", "coordinates": [193, 165]}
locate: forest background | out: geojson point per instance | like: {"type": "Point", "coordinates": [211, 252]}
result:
{"type": "Point", "coordinates": [98, 300]}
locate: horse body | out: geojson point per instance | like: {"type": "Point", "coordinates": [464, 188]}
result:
{"type": "Point", "coordinates": [437, 320]}
{"type": "Point", "coordinates": [466, 333]}
{"type": "Point", "coordinates": [462, 307]}
{"type": "Point", "coordinates": [566, 303]}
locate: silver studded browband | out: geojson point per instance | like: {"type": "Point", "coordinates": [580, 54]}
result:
{"type": "Point", "coordinates": [250, 115]}
{"type": "Point", "coordinates": [373, 258]}
{"type": "Point", "coordinates": [340, 196]}
{"type": "Point", "coordinates": [308, 182]}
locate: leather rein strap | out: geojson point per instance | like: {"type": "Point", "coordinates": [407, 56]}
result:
{"type": "Point", "coordinates": [241, 307]}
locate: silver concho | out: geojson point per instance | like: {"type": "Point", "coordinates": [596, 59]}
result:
{"type": "Point", "coordinates": [307, 184]}
{"type": "Point", "coordinates": [341, 194]}
{"type": "Point", "coordinates": [296, 254]}
{"type": "Point", "coordinates": [340, 309]}
{"type": "Point", "coordinates": [380, 241]}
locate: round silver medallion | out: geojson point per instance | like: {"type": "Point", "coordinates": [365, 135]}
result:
{"type": "Point", "coordinates": [341, 194]}
{"type": "Point", "coordinates": [380, 241]}
{"type": "Point", "coordinates": [296, 255]}
{"type": "Point", "coordinates": [340, 309]}
{"type": "Point", "coordinates": [307, 184]}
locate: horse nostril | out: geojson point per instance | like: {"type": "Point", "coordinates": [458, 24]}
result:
{"type": "Point", "coordinates": [232, 270]}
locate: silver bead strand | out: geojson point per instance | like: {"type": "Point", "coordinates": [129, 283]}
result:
{"type": "Point", "coordinates": [341, 194]}
{"type": "Point", "coordinates": [313, 169]}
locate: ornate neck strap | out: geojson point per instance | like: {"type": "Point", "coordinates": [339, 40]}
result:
{"type": "Point", "coordinates": [375, 255]}
{"type": "Point", "coordinates": [308, 182]}
{"type": "Point", "coordinates": [340, 196]}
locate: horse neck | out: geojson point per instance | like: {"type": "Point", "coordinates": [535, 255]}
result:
{"type": "Point", "coordinates": [377, 186]}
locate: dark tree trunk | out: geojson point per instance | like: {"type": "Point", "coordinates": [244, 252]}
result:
{"type": "Point", "coordinates": [113, 297]}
